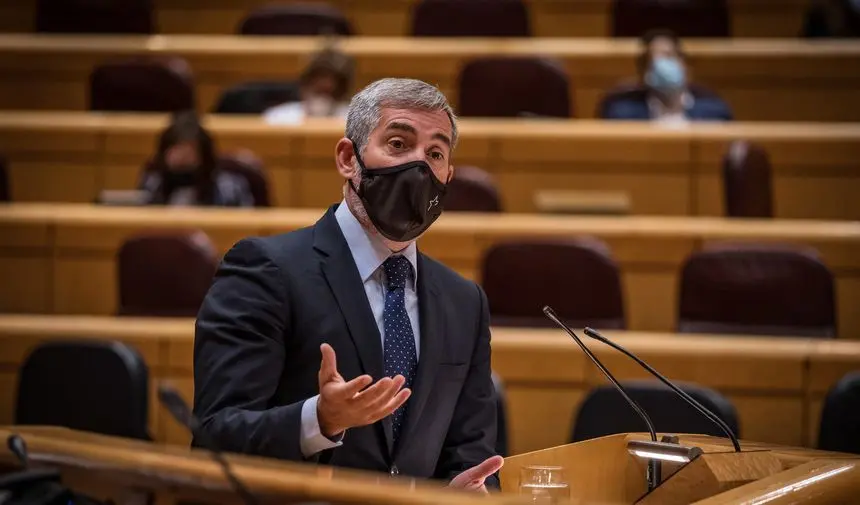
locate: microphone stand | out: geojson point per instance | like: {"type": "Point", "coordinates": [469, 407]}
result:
{"type": "Point", "coordinates": [652, 474]}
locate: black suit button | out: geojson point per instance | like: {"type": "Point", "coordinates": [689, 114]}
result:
{"type": "Point", "coordinates": [394, 471]}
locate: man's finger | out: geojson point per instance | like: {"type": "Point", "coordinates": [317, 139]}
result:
{"type": "Point", "coordinates": [351, 388]}
{"type": "Point", "coordinates": [376, 401]}
{"type": "Point", "coordinates": [373, 393]}
{"type": "Point", "coordinates": [394, 404]}
{"type": "Point", "coordinates": [479, 473]}
{"type": "Point", "coordinates": [328, 366]}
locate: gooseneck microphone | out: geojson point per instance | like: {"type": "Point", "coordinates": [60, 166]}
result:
{"type": "Point", "coordinates": [680, 392]}
{"type": "Point", "coordinates": [180, 411]}
{"type": "Point", "coordinates": [548, 312]}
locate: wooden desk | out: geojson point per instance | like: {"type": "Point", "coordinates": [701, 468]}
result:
{"type": "Point", "coordinates": [546, 376]}
{"type": "Point", "coordinates": [71, 156]}
{"type": "Point", "coordinates": [766, 80]}
{"type": "Point", "coordinates": [549, 18]}
{"type": "Point", "coordinates": [60, 259]}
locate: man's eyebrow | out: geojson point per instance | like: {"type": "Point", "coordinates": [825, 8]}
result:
{"type": "Point", "coordinates": [395, 125]}
{"type": "Point", "coordinates": [444, 138]}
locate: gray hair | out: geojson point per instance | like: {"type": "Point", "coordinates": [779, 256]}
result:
{"type": "Point", "coordinates": [365, 108]}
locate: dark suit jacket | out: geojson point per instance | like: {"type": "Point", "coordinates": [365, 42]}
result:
{"type": "Point", "coordinates": [256, 356]}
{"type": "Point", "coordinates": [632, 105]}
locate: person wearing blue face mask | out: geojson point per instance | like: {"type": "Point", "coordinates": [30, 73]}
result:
{"type": "Point", "coordinates": [664, 93]}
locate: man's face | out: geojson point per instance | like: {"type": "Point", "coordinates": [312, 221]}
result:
{"type": "Point", "coordinates": [664, 47]}
{"type": "Point", "coordinates": [405, 135]}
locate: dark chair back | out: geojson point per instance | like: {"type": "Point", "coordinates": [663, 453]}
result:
{"type": "Point", "coordinates": [578, 278]}
{"type": "Point", "coordinates": [472, 190]}
{"type": "Point", "coordinates": [747, 180]}
{"type": "Point", "coordinates": [757, 289]}
{"type": "Point", "coordinates": [512, 87]}
{"type": "Point", "coordinates": [470, 18]}
{"type": "Point", "coordinates": [256, 97]}
{"type": "Point", "coordinates": [605, 412]}
{"type": "Point", "coordinates": [840, 420]}
{"type": "Point", "coordinates": [687, 18]}
{"type": "Point", "coordinates": [88, 16]}
{"type": "Point", "coordinates": [91, 385]}
{"type": "Point", "coordinates": [296, 19]}
{"type": "Point", "coordinates": [501, 416]}
{"type": "Point", "coordinates": [249, 166]}
{"type": "Point", "coordinates": [5, 192]}
{"type": "Point", "coordinates": [142, 84]}
{"type": "Point", "coordinates": [165, 273]}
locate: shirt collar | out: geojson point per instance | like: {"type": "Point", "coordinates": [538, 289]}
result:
{"type": "Point", "coordinates": [368, 251]}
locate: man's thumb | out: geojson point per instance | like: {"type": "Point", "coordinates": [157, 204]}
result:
{"type": "Point", "coordinates": [480, 472]}
{"type": "Point", "coordinates": [328, 366]}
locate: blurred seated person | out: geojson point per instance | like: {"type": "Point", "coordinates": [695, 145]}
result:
{"type": "Point", "coordinates": [833, 19]}
{"type": "Point", "coordinates": [323, 90]}
{"type": "Point", "coordinates": [665, 94]}
{"type": "Point", "coordinates": [185, 170]}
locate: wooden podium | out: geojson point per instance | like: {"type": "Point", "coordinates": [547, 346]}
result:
{"type": "Point", "coordinates": [599, 471]}
{"type": "Point", "coordinates": [603, 471]}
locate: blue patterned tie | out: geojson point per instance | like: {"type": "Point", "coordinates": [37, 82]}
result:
{"type": "Point", "coordinates": [400, 355]}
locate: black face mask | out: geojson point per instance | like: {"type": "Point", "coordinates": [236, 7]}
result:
{"type": "Point", "coordinates": [402, 201]}
{"type": "Point", "coordinates": [181, 176]}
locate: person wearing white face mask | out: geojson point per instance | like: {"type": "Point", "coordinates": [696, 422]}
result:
{"type": "Point", "coordinates": [664, 93]}
{"type": "Point", "coordinates": [323, 90]}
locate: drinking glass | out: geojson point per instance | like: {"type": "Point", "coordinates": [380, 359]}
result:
{"type": "Point", "coordinates": [544, 484]}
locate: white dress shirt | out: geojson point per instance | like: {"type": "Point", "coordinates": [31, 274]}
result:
{"type": "Point", "coordinates": [369, 253]}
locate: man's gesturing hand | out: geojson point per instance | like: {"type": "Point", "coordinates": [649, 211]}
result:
{"type": "Point", "coordinates": [343, 405]}
{"type": "Point", "coordinates": [473, 478]}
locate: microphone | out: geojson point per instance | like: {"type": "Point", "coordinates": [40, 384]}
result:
{"type": "Point", "coordinates": [180, 411]}
{"type": "Point", "coordinates": [680, 392]}
{"type": "Point", "coordinates": [653, 472]}
{"type": "Point", "coordinates": [18, 447]}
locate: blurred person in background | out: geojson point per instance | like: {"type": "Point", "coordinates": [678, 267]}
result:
{"type": "Point", "coordinates": [323, 90]}
{"type": "Point", "coordinates": [666, 95]}
{"type": "Point", "coordinates": [833, 19]}
{"type": "Point", "coordinates": [185, 170]}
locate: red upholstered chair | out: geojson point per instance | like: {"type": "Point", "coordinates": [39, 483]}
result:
{"type": "Point", "coordinates": [249, 166]}
{"type": "Point", "coordinates": [470, 18]}
{"type": "Point", "coordinates": [165, 273]}
{"type": "Point", "coordinates": [578, 278]}
{"type": "Point", "coordinates": [747, 180]}
{"type": "Point", "coordinates": [512, 87]}
{"type": "Point", "coordinates": [95, 16]}
{"type": "Point", "coordinates": [5, 192]}
{"type": "Point", "coordinates": [757, 289]}
{"type": "Point", "coordinates": [296, 19]}
{"type": "Point", "coordinates": [472, 190]}
{"type": "Point", "coordinates": [142, 84]}
{"type": "Point", "coordinates": [687, 18]}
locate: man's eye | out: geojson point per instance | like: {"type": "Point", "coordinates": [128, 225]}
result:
{"type": "Point", "coordinates": [397, 144]}
{"type": "Point", "coordinates": [436, 155]}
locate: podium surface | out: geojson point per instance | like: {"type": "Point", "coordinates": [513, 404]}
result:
{"type": "Point", "coordinates": [599, 471]}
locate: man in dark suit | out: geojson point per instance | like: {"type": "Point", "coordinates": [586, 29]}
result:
{"type": "Point", "coordinates": [665, 93]}
{"type": "Point", "coordinates": [341, 343]}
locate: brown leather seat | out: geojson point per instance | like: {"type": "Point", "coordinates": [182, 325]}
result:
{"type": "Point", "coordinates": [472, 190]}
{"type": "Point", "coordinates": [142, 84]}
{"type": "Point", "coordinates": [296, 19]}
{"type": "Point", "coordinates": [757, 289]}
{"type": "Point", "coordinates": [514, 87]}
{"type": "Point", "coordinates": [470, 18]}
{"type": "Point", "coordinates": [747, 180]}
{"type": "Point", "coordinates": [99, 16]}
{"type": "Point", "coordinates": [687, 18]}
{"type": "Point", "coordinates": [578, 278]}
{"type": "Point", "coordinates": [249, 166]}
{"type": "Point", "coordinates": [5, 192]}
{"type": "Point", "coordinates": [165, 273]}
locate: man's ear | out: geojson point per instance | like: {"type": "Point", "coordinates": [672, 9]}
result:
{"type": "Point", "coordinates": [344, 156]}
{"type": "Point", "coordinates": [450, 173]}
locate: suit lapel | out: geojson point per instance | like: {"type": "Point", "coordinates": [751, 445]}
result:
{"type": "Point", "coordinates": [343, 279]}
{"type": "Point", "coordinates": [432, 322]}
